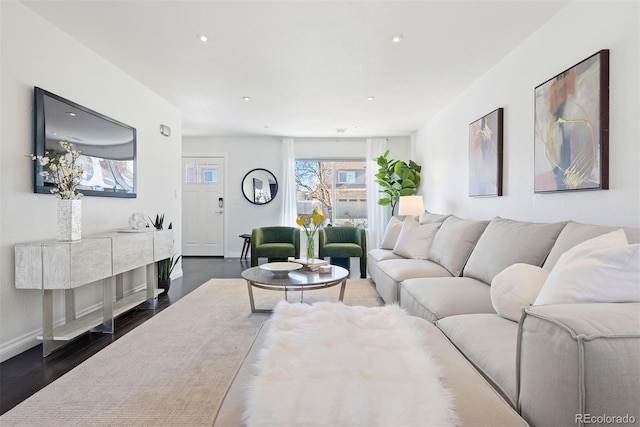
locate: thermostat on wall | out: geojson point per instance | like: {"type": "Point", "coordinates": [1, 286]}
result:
{"type": "Point", "coordinates": [165, 130]}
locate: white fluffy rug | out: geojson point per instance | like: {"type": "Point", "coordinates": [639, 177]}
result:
{"type": "Point", "coordinates": [329, 364]}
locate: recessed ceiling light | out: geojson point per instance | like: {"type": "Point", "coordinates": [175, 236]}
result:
{"type": "Point", "coordinates": [72, 114]}
{"type": "Point", "coordinates": [246, 98]}
{"type": "Point", "coordinates": [203, 38]}
{"type": "Point", "coordinates": [370, 98]}
{"type": "Point", "coordinates": [358, 127]}
{"type": "Point", "coordinates": [397, 38]}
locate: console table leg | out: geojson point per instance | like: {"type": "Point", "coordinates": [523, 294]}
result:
{"type": "Point", "coordinates": [69, 305]}
{"type": "Point", "coordinates": [107, 307]}
{"type": "Point", "coordinates": [152, 280]}
{"type": "Point", "coordinates": [47, 322]}
{"type": "Point", "coordinates": [119, 286]}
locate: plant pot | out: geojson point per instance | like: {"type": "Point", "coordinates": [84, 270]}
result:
{"type": "Point", "coordinates": [164, 284]}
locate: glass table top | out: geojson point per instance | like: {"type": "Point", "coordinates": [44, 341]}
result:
{"type": "Point", "coordinates": [295, 278]}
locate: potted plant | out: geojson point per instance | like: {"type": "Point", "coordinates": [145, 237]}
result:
{"type": "Point", "coordinates": [165, 268]}
{"type": "Point", "coordinates": [158, 223]}
{"type": "Point", "coordinates": [397, 178]}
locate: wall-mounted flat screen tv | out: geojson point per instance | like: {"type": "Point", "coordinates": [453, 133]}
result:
{"type": "Point", "coordinates": [107, 146]}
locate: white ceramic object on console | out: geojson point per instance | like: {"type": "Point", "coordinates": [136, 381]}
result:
{"type": "Point", "coordinates": [138, 221]}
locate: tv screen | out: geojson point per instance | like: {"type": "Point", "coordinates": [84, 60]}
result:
{"type": "Point", "coordinates": [107, 146]}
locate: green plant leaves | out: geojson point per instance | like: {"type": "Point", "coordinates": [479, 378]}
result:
{"type": "Point", "coordinates": [396, 178]}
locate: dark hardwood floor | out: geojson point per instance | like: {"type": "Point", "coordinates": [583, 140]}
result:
{"type": "Point", "coordinates": [23, 375]}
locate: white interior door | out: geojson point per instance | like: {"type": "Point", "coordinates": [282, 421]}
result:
{"type": "Point", "coordinates": [203, 206]}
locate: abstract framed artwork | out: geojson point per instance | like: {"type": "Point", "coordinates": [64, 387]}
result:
{"type": "Point", "coordinates": [485, 155]}
{"type": "Point", "coordinates": [571, 144]}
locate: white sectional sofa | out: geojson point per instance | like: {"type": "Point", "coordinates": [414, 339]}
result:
{"type": "Point", "coordinates": [555, 365]}
{"type": "Point", "coordinates": [560, 364]}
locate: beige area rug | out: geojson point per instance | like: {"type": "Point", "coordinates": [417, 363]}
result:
{"type": "Point", "coordinates": [172, 370]}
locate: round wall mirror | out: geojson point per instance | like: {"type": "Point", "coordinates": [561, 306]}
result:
{"type": "Point", "coordinates": [259, 186]}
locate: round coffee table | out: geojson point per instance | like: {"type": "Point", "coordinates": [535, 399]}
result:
{"type": "Point", "coordinates": [294, 281]}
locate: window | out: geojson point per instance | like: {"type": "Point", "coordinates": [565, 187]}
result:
{"type": "Point", "coordinates": [347, 177]}
{"type": "Point", "coordinates": [201, 174]}
{"type": "Point", "coordinates": [338, 187]}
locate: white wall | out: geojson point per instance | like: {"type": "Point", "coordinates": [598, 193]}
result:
{"type": "Point", "coordinates": [575, 33]}
{"type": "Point", "coordinates": [35, 53]}
{"type": "Point", "coordinates": [244, 154]}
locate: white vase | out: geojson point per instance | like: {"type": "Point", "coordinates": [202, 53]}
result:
{"type": "Point", "coordinates": [69, 220]}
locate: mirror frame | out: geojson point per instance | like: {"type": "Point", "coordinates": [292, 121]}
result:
{"type": "Point", "coordinates": [252, 200]}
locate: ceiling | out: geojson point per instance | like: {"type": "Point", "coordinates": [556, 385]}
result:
{"type": "Point", "coordinates": [307, 66]}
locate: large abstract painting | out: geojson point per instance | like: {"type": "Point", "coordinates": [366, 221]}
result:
{"type": "Point", "coordinates": [572, 128]}
{"type": "Point", "coordinates": [485, 155]}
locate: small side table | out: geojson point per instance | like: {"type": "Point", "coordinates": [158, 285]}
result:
{"type": "Point", "coordinates": [246, 245]}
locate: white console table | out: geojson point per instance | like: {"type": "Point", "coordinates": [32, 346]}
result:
{"type": "Point", "coordinates": [55, 266]}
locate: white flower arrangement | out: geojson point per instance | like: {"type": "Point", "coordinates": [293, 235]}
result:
{"type": "Point", "coordinates": [64, 170]}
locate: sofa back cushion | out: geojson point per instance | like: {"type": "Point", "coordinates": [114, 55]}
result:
{"type": "Point", "coordinates": [391, 233]}
{"type": "Point", "coordinates": [506, 242]}
{"type": "Point", "coordinates": [431, 218]}
{"type": "Point", "coordinates": [454, 241]}
{"type": "Point", "coordinates": [415, 239]}
{"type": "Point", "coordinates": [574, 233]}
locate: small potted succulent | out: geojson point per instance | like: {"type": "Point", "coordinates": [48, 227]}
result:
{"type": "Point", "coordinates": [165, 268]}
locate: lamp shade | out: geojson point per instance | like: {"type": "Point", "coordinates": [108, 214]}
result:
{"type": "Point", "coordinates": [411, 205]}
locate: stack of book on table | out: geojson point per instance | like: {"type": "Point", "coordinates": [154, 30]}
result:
{"type": "Point", "coordinates": [310, 264]}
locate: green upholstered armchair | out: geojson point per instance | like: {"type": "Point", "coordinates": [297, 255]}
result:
{"type": "Point", "coordinates": [342, 243]}
{"type": "Point", "coordinates": [274, 243]}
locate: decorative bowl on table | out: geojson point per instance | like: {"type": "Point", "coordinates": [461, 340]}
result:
{"type": "Point", "coordinates": [281, 269]}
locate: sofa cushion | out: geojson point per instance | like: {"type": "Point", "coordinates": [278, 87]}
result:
{"type": "Point", "coordinates": [516, 287]}
{"type": "Point", "coordinates": [390, 273]}
{"type": "Point", "coordinates": [575, 232]}
{"type": "Point", "coordinates": [602, 269]}
{"type": "Point", "coordinates": [435, 298]}
{"type": "Point", "coordinates": [391, 233]}
{"type": "Point", "coordinates": [379, 254]}
{"type": "Point", "coordinates": [431, 218]}
{"type": "Point", "coordinates": [506, 242]}
{"type": "Point", "coordinates": [376, 255]}
{"type": "Point", "coordinates": [454, 241]}
{"type": "Point", "coordinates": [415, 239]}
{"type": "Point", "coordinates": [577, 359]}
{"type": "Point", "coordinates": [490, 343]}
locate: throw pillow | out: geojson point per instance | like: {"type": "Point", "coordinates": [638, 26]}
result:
{"type": "Point", "coordinates": [515, 287]}
{"type": "Point", "coordinates": [602, 269]}
{"type": "Point", "coordinates": [391, 233]}
{"type": "Point", "coordinates": [415, 239]}
{"type": "Point", "coordinates": [429, 218]}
